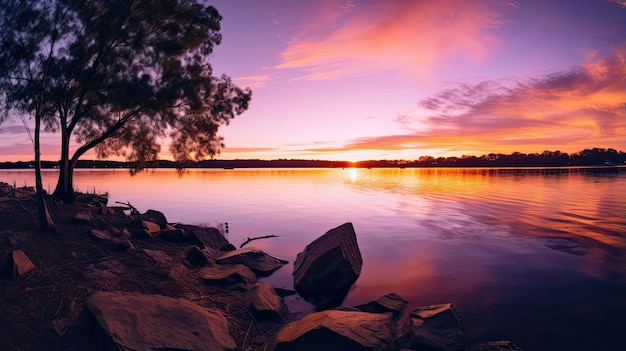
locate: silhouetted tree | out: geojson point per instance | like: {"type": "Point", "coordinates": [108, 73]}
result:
{"type": "Point", "coordinates": [129, 73]}
{"type": "Point", "coordinates": [31, 36]}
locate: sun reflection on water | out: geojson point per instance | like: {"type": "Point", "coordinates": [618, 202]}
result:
{"type": "Point", "coordinates": [353, 174]}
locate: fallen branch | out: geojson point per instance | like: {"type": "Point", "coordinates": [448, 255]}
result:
{"type": "Point", "coordinates": [127, 206]}
{"type": "Point", "coordinates": [257, 238]}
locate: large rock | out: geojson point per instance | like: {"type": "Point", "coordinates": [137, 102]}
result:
{"type": "Point", "coordinates": [438, 328]}
{"type": "Point", "coordinates": [154, 322]}
{"type": "Point", "coordinates": [258, 261]}
{"type": "Point", "coordinates": [263, 301]}
{"type": "Point", "coordinates": [332, 330]}
{"type": "Point", "coordinates": [156, 217]}
{"type": "Point", "coordinates": [230, 276]}
{"type": "Point", "coordinates": [324, 272]}
{"type": "Point", "coordinates": [194, 257]}
{"type": "Point", "coordinates": [207, 237]}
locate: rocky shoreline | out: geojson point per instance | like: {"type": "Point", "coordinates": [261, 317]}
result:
{"type": "Point", "coordinates": [117, 279]}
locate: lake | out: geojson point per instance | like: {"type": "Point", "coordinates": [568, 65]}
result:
{"type": "Point", "coordinates": [536, 256]}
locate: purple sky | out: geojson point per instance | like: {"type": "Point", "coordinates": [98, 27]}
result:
{"type": "Point", "coordinates": [354, 80]}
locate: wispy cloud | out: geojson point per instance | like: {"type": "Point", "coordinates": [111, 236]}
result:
{"type": "Point", "coordinates": [247, 149]}
{"type": "Point", "coordinates": [256, 81]}
{"type": "Point", "coordinates": [405, 35]}
{"type": "Point", "coordinates": [582, 107]}
{"type": "Point", "coordinates": [13, 129]}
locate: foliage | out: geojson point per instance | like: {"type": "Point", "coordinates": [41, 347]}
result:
{"type": "Point", "coordinates": [120, 76]}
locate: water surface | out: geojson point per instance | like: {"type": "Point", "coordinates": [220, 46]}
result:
{"type": "Point", "coordinates": [535, 256]}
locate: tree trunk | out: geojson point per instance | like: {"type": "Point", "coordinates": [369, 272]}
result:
{"type": "Point", "coordinates": [65, 187]}
{"type": "Point", "coordinates": [45, 220]}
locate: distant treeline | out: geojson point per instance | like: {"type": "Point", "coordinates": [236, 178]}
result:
{"type": "Point", "coordinates": [587, 157]}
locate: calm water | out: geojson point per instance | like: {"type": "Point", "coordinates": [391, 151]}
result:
{"type": "Point", "coordinates": [532, 256]}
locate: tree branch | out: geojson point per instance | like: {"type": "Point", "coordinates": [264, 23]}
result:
{"type": "Point", "coordinates": [257, 238]}
{"type": "Point", "coordinates": [109, 132]}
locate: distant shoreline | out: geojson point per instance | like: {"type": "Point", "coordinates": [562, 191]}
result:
{"type": "Point", "coordinates": [249, 164]}
{"type": "Point", "coordinates": [596, 157]}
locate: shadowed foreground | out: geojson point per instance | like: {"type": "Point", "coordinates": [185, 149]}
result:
{"type": "Point", "coordinates": [112, 279]}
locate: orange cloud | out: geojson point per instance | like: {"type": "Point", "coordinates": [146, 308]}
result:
{"type": "Point", "coordinates": [570, 110]}
{"type": "Point", "coordinates": [402, 35]}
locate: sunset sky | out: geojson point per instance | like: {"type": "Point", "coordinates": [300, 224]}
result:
{"type": "Point", "coordinates": [399, 79]}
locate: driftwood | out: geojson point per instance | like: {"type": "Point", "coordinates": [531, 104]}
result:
{"type": "Point", "coordinates": [257, 238]}
{"type": "Point", "coordinates": [127, 206]}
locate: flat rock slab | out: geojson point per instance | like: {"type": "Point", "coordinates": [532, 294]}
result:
{"type": "Point", "coordinates": [150, 226]}
{"type": "Point", "coordinates": [437, 327]}
{"type": "Point", "coordinates": [158, 256]}
{"type": "Point", "coordinates": [334, 330]}
{"type": "Point", "coordinates": [231, 276]}
{"type": "Point", "coordinates": [101, 234]}
{"type": "Point", "coordinates": [156, 217]}
{"type": "Point", "coordinates": [83, 216]}
{"type": "Point", "coordinates": [263, 301]}
{"type": "Point", "coordinates": [258, 261]}
{"type": "Point", "coordinates": [393, 303]}
{"type": "Point", "coordinates": [156, 322]}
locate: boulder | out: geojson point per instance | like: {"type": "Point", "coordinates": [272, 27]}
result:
{"type": "Point", "coordinates": [154, 217]}
{"type": "Point", "coordinates": [155, 322]}
{"type": "Point", "coordinates": [230, 276]}
{"type": "Point", "coordinates": [438, 328]}
{"type": "Point", "coordinates": [332, 330]}
{"type": "Point", "coordinates": [324, 272]}
{"type": "Point", "coordinates": [253, 258]}
{"type": "Point", "coordinates": [194, 257]}
{"type": "Point", "coordinates": [207, 237]}
{"type": "Point", "coordinates": [262, 301]}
